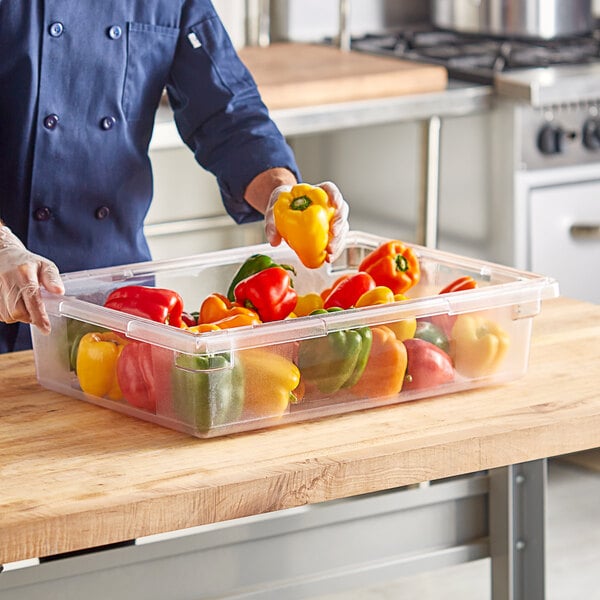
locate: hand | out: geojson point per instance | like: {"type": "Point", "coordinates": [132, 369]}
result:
{"type": "Point", "coordinates": [21, 274]}
{"type": "Point", "coordinates": [338, 227]}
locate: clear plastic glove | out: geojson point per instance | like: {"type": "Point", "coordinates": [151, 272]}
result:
{"type": "Point", "coordinates": [21, 274]}
{"type": "Point", "coordinates": [338, 227]}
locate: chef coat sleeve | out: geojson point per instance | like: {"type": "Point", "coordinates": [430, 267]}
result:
{"type": "Point", "coordinates": [219, 112]}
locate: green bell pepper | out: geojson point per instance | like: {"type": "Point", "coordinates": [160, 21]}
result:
{"type": "Point", "coordinates": [208, 390]}
{"type": "Point", "coordinates": [336, 360]}
{"type": "Point", "coordinates": [253, 265]}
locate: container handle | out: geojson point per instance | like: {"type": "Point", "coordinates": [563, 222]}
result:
{"type": "Point", "coordinates": [582, 231]}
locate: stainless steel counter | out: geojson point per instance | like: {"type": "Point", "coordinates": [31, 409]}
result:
{"type": "Point", "coordinates": [458, 100]}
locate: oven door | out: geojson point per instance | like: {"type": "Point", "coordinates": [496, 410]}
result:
{"type": "Point", "coordinates": [564, 236]}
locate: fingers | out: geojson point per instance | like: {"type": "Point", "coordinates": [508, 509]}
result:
{"type": "Point", "coordinates": [50, 278]}
{"type": "Point", "coordinates": [271, 233]}
{"type": "Point", "coordinates": [339, 225]}
{"type": "Point", "coordinates": [31, 297]}
{"type": "Point", "coordinates": [20, 294]}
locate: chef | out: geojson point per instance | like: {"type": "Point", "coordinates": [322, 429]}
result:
{"type": "Point", "coordinates": [80, 82]}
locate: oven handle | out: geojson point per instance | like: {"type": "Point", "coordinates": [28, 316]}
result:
{"type": "Point", "coordinates": [581, 231]}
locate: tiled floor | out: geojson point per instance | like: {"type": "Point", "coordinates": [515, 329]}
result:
{"type": "Point", "coordinates": [572, 551]}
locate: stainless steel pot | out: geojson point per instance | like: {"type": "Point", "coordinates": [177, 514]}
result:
{"type": "Point", "coordinates": [544, 19]}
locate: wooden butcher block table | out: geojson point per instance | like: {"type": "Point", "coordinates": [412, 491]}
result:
{"type": "Point", "coordinates": [73, 475]}
{"type": "Point", "coordinates": [295, 75]}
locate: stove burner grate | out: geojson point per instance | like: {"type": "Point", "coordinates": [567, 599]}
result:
{"type": "Point", "coordinates": [476, 58]}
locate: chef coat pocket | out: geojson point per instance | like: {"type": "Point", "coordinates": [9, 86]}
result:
{"type": "Point", "coordinates": [150, 51]}
{"type": "Point", "coordinates": [213, 44]}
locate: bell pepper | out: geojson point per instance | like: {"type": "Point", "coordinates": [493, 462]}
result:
{"type": "Point", "coordinates": [478, 345]}
{"type": "Point", "coordinates": [203, 328]}
{"type": "Point", "coordinates": [144, 374]}
{"type": "Point", "coordinates": [428, 366]}
{"type": "Point", "coordinates": [75, 331]}
{"type": "Point", "coordinates": [403, 329]}
{"type": "Point", "coordinates": [384, 372]}
{"type": "Point", "coordinates": [302, 218]}
{"type": "Point", "coordinates": [347, 292]}
{"type": "Point", "coordinates": [428, 331]}
{"type": "Point", "coordinates": [394, 265]}
{"type": "Point", "coordinates": [156, 304]}
{"type": "Point", "coordinates": [189, 319]}
{"type": "Point", "coordinates": [459, 285]}
{"type": "Point", "coordinates": [377, 295]}
{"type": "Point", "coordinates": [254, 264]}
{"type": "Point", "coordinates": [324, 293]}
{"type": "Point", "coordinates": [269, 293]}
{"type": "Point", "coordinates": [269, 383]}
{"type": "Point", "coordinates": [307, 303]}
{"type": "Point", "coordinates": [219, 310]}
{"type": "Point", "coordinates": [208, 390]}
{"type": "Point", "coordinates": [334, 361]}
{"type": "Point", "coordinates": [96, 364]}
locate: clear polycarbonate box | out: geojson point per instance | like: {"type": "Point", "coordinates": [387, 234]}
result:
{"type": "Point", "coordinates": [303, 367]}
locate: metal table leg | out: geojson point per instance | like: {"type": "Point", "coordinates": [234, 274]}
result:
{"type": "Point", "coordinates": [517, 518]}
{"type": "Point", "coordinates": [427, 220]}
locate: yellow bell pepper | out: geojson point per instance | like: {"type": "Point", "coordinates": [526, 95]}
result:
{"type": "Point", "coordinates": [404, 329]}
{"type": "Point", "coordinates": [269, 382]}
{"type": "Point", "coordinates": [302, 217]}
{"type": "Point", "coordinates": [478, 345]}
{"type": "Point", "coordinates": [307, 303]}
{"type": "Point", "coordinates": [97, 364]}
{"type": "Point", "coordinates": [378, 295]}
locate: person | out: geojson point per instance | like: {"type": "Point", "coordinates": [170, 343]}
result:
{"type": "Point", "coordinates": [80, 83]}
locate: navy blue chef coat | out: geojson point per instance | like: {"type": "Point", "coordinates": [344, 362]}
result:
{"type": "Point", "coordinates": [80, 82]}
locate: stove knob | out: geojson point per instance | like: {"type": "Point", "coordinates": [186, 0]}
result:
{"type": "Point", "coordinates": [550, 139]}
{"type": "Point", "coordinates": [591, 134]}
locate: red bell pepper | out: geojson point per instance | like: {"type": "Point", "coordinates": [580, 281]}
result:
{"type": "Point", "coordinates": [156, 304]}
{"type": "Point", "coordinates": [347, 291]}
{"type": "Point", "coordinates": [459, 285]}
{"type": "Point", "coordinates": [268, 292]}
{"type": "Point", "coordinates": [144, 375]}
{"type": "Point", "coordinates": [394, 265]}
{"type": "Point", "coordinates": [445, 322]}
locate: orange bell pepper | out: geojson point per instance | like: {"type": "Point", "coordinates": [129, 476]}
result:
{"type": "Point", "coordinates": [386, 366]}
{"type": "Point", "coordinates": [394, 265]}
{"type": "Point", "coordinates": [219, 310]}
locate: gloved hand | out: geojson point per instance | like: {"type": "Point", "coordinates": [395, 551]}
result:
{"type": "Point", "coordinates": [338, 227]}
{"type": "Point", "coordinates": [21, 274]}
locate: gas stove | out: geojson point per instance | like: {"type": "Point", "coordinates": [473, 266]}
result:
{"type": "Point", "coordinates": [553, 84]}
{"type": "Point", "coordinates": [479, 58]}
{"type": "Point", "coordinates": [544, 136]}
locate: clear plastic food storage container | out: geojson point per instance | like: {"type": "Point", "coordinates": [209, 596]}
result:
{"type": "Point", "coordinates": [255, 376]}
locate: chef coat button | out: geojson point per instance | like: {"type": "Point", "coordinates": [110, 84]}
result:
{"type": "Point", "coordinates": [42, 214]}
{"type": "Point", "coordinates": [51, 121]}
{"type": "Point", "coordinates": [56, 29]}
{"type": "Point", "coordinates": [107, 123]}
{"type": "Point", "coordinates": [102, 212]}
{"type": "Point", "coordinates": [114, 32]}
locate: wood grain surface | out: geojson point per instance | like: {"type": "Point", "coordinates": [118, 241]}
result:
{"type": "Point", "coordinates": [293, 75]}
{"type": "Point", "coordinates": [73, 475]}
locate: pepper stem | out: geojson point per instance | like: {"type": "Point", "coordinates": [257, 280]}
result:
{"type": "Point", "coordinates": [300, 203]}
{"type": "Point", "coordinates": [401, 263]}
